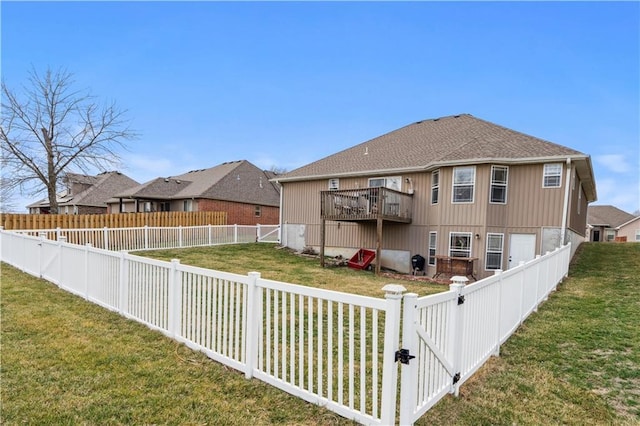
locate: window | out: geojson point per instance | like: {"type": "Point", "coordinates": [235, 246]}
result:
{"type": "Point", "coordinates": [392, 182]}
{"type": "Point", "coordinates": [610, 235]}
{"type": "Point", "coordinates": [433, 236]}
{"type": "Point", "coordinates": [435, 186]}
{"type": "Point", "coordinates": [552, 175]}
{"type": "Point", "coordinates": [499, 176]}
{"type": "Point", "coordinates": [637, 234]}
{"type": "Point", "coordinates": [464, 179]}
{"type": "Point", "coordinates": [493, 259]}
{"type": "Point", "coordinates": [258, 211]}
{"type": "Point", "coordinates": [165, 206]}
{"type": "Point", "coordinates": [460, 244]}
{"type": "Point", "coordinates": [187, 205]}
{"type": "Point", "coordinates": [334, 184]}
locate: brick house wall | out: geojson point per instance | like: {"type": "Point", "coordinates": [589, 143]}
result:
{"type": "Point", "coordinates": [241, 213]}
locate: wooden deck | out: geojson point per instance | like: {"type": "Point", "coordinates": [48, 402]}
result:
{"type": "Point", "coordinates": [367, 204]}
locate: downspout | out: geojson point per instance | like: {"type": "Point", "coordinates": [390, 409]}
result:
{"type": "Point", "coordinates": [565, 208]}
{"type": "Point", "coordinates": [280, 212]}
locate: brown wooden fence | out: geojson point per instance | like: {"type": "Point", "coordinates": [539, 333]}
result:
{"type": "Point", "coordinates": [114, 220]}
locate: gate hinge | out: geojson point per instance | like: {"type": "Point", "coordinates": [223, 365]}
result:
{"type": "Point", "coordinates": [403, 356]}
{"type": "Point", "coordinates": [456, 378]}
{"type": "Point", "coordinates": [460, 299]}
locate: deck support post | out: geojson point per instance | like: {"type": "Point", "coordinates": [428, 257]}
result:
{"type": "Point", "coordinates": [322, 238]}
{"type": "Point", "coordinates": [378, 244]}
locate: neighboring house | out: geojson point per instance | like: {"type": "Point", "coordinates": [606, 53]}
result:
{"type": "Point", "coordinates": [238, 188]}
{"type": "Point", "coordinates": [609, 223]}
{"type": "Point", "coordinates": [86, 194]}
{"type": "Point", "coordinates": [468, 195]}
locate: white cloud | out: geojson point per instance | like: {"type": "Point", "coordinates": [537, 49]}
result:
{"type": "Point", "coordinates": [616, 163]}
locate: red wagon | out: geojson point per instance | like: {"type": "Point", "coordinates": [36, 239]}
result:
{"type": "Point", "coordinates": [362, 259]}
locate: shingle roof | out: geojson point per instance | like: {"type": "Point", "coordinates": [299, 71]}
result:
{"type": "Point", "coordinates": [609, 216]}
{"type": "Point", "coordinates": [428, 144]}
{"type": "Point", "coordinates": [103, 187]}
{"type": "Point", "coordinates": [238, 181]}
{"type": "Point", "coordinates": [433, 142]}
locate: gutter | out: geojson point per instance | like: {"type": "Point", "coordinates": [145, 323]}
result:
{"type": "Point", "coordinates": [432, 166]}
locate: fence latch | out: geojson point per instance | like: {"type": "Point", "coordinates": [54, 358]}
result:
{"type": "Point", "coordinates": [456, 378]}
{"type": "Point", "coordinates": [460, 299]}
{"type": "Point", "coordinates": [403, 356]}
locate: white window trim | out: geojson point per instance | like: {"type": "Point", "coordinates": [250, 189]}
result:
{"type": "Point", "coordinates": [434, 248]}
{"type": "Point", "coordinates": [436, 186]}
{"type": "Point", "coordinates": [506, 184]}
{"type": "Point", "coordinates": [473, 185]}
{"type": "Point", "coordinates": [469, 234]}
{"type": "Point", "coordinates": [487, 251]}
{"type": "Point", "coordinates": [545, 174]}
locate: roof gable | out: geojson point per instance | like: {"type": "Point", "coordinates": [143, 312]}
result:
{"type": "Point", "coordinates": [609, 216]}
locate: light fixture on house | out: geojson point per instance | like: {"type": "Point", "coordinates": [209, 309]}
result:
{"type": "Point", "coordinates": [477, 236]}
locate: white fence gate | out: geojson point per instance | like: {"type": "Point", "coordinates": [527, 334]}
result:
{"type": "Point", "coordinates": [337, 350]}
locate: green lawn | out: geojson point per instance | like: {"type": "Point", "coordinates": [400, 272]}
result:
{"type": "Point", "coordinates": [66, 361]}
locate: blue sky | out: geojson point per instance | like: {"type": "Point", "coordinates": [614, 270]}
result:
{"type": "Point", "coordinates": [287, 83]}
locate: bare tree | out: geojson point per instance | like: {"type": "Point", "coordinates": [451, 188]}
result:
{"type": "Point", "coordinates": [278, 170]}
{"type": "Point", "coordinates": [50, 128]}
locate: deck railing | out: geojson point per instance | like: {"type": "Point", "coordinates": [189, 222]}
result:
{"type": "Point", "coordinates": [366, 204]}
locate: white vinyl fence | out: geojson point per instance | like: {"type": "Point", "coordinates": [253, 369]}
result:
{"type": "Point", "coordinates": [151, 238]}
{"type": "Point", "coordinates": [337, 350]}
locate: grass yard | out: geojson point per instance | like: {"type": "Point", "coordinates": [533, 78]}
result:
{"type": "Point", "coordinates": [281, 265]}
{"type": "Point", "coordinates": [66, 361]}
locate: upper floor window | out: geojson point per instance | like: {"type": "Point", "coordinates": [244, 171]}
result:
{"type": "Point", "coordinates": [552, 175]}
{"type": "Point", "coordinates": [464, 180]}
{"type": "Point", "coordinates": [334, 184]}
{"type": "Point", "coordinates": [391, 182]}
{"type": "Point", "coordinates": [460, 244]}
{"type": "Point", "coordinates": [433, 236]}
{"type": "Point", "coordinates": [499, 176]}
{"type": "Point", "coordinates": [493, 258]}
{"type": "Point", "coordinates": [258, 211]}
{"type": "Point", "coordinates": [435, 186]}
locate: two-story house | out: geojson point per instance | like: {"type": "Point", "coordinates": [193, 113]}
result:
{"type": "Point", "coordinates": [451, 189]}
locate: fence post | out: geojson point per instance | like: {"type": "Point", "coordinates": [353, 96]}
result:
{"type": "Point", "coordinates": [58, 233]}
{"type": "Point", "coordinates": [210, 232]}
{"type": "Point", "coordinates": [105, 238]}
{"type": "Point", "coordinates": [235, 233]}
{"type": "Point", "coordinates": [175, 291]}
{"type": "Point", "coordinates": [457, 326]}
{"type": "Point", "coordinates": [257, 232]}
{"type": "Point", "coordinates": [535, 306]}
{"type": "Point", "coordinates": [408, 372]}
{"type": "Point", "coordinates": [61, 240]}
{"type": "Point", "coordinates": [87, 246]}
{"type": "Point", "coordinates": [496, 350]}
{"type": "Point", "coordinates": [146, 237]}
{"type": "Point", "coordinates": [43, 236]}
{"type": "Point", "coordinates": [393, 296]}
{"type": "Point", "coordinates": [123, 304]}
{"type": "Point", "coordinates": [180, 236]}
{"type": "Point", "coordinates": [254, 320]}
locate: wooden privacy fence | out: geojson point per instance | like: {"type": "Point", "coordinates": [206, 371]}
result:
{"type": "Point", "coordinates": [377, 361]}
{"type": "Point", "coordinates": [113, 220]}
